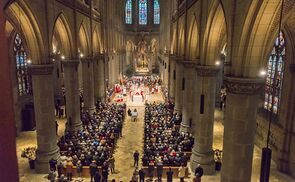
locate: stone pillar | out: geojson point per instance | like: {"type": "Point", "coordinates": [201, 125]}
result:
{"type": "Point", "coordinates": [204, 121]}
{"type": "Point", "coordinates": [72, 95]}
{"type": "Point", "coordinates": [88, 85]}
{"type": "Point", "coordinates": [99, 83]}
{"type": "Point", "coordinates": [44, 114]}
{"type": "Point", "coordinates": [172, 78]}
{"type": "Point", "coordinates": [239, 128]}
{"type": "Point", "coordinates": [178, 87]}
{"type": "Point", "coordinates": [189, 75]}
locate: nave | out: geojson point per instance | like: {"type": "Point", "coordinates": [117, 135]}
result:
{"type": "Point", "coordinates": [133, 137]}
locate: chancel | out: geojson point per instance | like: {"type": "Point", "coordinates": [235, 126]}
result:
{"type": "Point", "coordinates": [147, 90]}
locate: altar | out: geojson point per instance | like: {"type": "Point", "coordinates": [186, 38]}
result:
{"type": "Point", "coordinates": [137, 98]}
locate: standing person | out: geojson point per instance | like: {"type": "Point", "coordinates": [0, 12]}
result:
{"type": "Point", "coordinates": [93, 169]}
{"type": "Point", "coordinates": [105, 174]}
{"type": "Point", "coordinates": [51, 176]}
{"type": "Point", "coordinates": [129, 112]}
{"type": "Point", "coordinates": [199, 171]}
{"type": "Point", "coordinates": [136, 158]}
{"type": "Point", "coordinates": [60, 167]}
{"type": "Point", "coordinates": [97, 177]}
{"type": "Point", "coordinates": [69, 170]}
{"type": "Point", "coordinates": [56, 127]}
{"type": "Point", "coordinates": [120, 127]}
{"type": "Point", "coordinates": [159, 171]}
{"type": "Point", "coordinates": [79, 168]}
{"type": "Point", "coordinates": [112, 164]}
{"type": "Point", "coordinates": [52, 164]}
{"type": "Point", "coordinates": [141, 175]}
{"type": "Point", "coordinates": [151, 170]}
{"type": "Point", "coordinates": [169, 175]}
{"type": "Point", "coordinates": [181, 173]}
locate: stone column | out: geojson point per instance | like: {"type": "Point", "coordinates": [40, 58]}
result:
{"type": "Point", "coordinates": [204, 121]}
{"type": "Point", "coordinates": [44, 114]}
{"type": "Point", "coordinates": [88, 85]}
{"type": "Point", "coordinates": [172, 78]}
{"type": "Point", "coordinates": [178, 87]}
{"type": "Point", "coordinates": [239, 128]}
{"type": "Point", "coordinates": [189, 75]}
{"type": "Point", "coordinates": [72, 95]}
{"type": "Point", "coordinates": [99, 84]}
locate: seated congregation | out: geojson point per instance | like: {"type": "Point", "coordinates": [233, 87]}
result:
{"type": "Point", "coordinates": [96, 141]}
{"type": "Point", "coordinates": [164, 144]}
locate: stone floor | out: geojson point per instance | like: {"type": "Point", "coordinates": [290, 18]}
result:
{"type": "Point", "coordinates": [133, 140]}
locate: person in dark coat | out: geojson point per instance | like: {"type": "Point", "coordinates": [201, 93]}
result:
{"type": "Point", "coordinates": [105, 174]}
{"type": "Point", "coordinates": [93, 169]}
{"type": "Point", "coordinates": [97, 177]}
{"type": "Point", "coordinates": [141, 174]}
{"type": "Point", "coordinates": [199, 171]}
{"type": "Point", "coordinates": [169, 175]}
{"type": "Point", "coordinates": [136, 158]}
{"type": "Point", "coordinates": [60, 166]}
{"type": "Point", "coordinates": [52, 164]}
{"type": "Point", "coordinates": [151, 171]}
{"type": "Point", "coordinates": [159, 171]}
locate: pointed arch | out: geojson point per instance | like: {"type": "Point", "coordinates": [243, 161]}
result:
{"type": "Point", "coordinates": [258, 35]}
{"type": "Point", "coordinates": [143, 11]}
{"type": "Point", "coordinates": [83, 44]}
{"type": "Point", "coordinates": [128, 12]}
{"type": "Point", "coordinates": [193, 40]}
{"type": "Point", "coordinates": [217, 33]}
{"type": "Point", "coordinates": [173, 42]}
{"type": "Point", "coordinates": [61, 39]}
{"type": "Point", "coordinates": [24, 23]}
{"type": "Point", "coordinates": [96, 42]}
{"type": "Point", "coordinates": [156, 12]}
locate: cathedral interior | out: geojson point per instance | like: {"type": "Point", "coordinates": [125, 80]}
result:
{"type": "Point", "coordinates": [209, 86]}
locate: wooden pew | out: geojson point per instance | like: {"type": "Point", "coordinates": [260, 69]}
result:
{"type": "Point", "coordinates": [165, 169]}
{"type": "Point", "coordinates": [85, 171]}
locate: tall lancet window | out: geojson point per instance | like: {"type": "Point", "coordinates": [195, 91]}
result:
{"type": "Point", "coordinates": [22, 75]}
{"type": "Point", "coordinates": [128, 12]}
{"type": "Point", "coordinates": [143, 13]}
{"type": "Point", "coordinates": [275, 74]}
{"type": "Point", "coordinates": [156, 12]}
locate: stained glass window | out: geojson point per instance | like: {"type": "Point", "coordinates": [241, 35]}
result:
{"type": "Point", "coordinates": [156, 12]}
{"type": "Point", "coordinates": [143, 13]}
{"type": "Point", "coordinates": [22, 75]}
{"type": "Point", "coordinates": [128, 11]}
{"type": "Point", "coordinates": [275, 73]}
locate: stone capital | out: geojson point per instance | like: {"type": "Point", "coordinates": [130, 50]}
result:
{"type": "Point", "coordinates": [99, 56]}
{"type": "Point", "coordinates": [87, 60]}
{"type": "Point", "coordinates": [207, 71]}
{"type": "Point", "coordinates": [244, 86]}
{"type": "Point", "coordinates": [172, 57]}
{"type": "Point", "coordinates": [189, 63]}
{"type": "Point", "coordinates": [41, 69]}
{"type": "Point", "coordinates": [179, 59]}
{"type": "Point", "coordinates": [72, 63]}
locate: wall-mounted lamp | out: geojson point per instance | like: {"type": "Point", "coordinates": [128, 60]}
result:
{"type": "Point", "coordinates": [262, 73]}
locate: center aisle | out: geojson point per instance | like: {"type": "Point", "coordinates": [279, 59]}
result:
{"type": "Point", "coordinates": [132, 140]}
